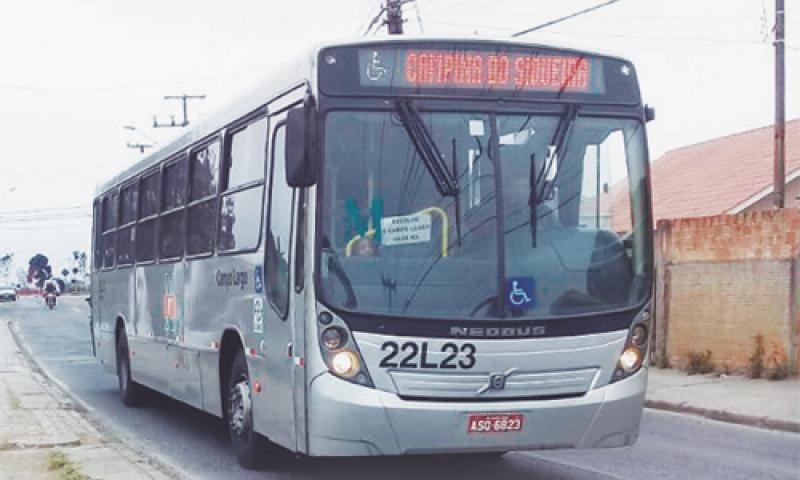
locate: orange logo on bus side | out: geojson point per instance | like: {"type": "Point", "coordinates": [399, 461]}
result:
{"type": "Point", "coordinates": [169, 306]}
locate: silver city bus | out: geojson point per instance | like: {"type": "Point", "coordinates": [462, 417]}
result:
{"type": "Point", "coordinates": [395, 246]}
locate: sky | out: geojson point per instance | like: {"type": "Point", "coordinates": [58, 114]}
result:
{"type": "Point", "coordinates": [73, 73]}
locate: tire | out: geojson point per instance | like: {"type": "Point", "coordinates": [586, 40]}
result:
{"type": "Point", "coordinates": [248, 446]}
{"type": "Point", "coordinates": [252, 450]}
{"type": "Point", "coordinates": [131, 393]}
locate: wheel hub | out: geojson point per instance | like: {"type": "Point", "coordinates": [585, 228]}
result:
{"type": "Point", "coordinates": [240, 409]}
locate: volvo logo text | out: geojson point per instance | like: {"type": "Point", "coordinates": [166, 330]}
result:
{"type": "Point", "coordinates": [498, 332]}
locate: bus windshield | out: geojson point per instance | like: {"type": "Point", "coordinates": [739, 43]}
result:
{"type": "Point", "coordinates": [534, 227]}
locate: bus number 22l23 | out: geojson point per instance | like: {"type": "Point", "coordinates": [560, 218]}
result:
{"type": "Point", "coordinates": [415, 355]}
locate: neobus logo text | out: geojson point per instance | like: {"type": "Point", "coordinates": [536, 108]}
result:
{"type": "Point", "coordinates": [498, 332]}
{"type": "Point", "coordinates": [232, 279]}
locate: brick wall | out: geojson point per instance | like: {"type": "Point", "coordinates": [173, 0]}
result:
{"type": "Point", "coordinates": [725, 279]}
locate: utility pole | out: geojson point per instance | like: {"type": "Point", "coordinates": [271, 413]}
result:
{"type": "Point", "coordinates": [139, 146]}
{"type": "Point", "coordinates": [394, 16]}
{"type": "Point", "coordinates": [183, 98]}
{"type": "Point", "coordinates": [779, 189]}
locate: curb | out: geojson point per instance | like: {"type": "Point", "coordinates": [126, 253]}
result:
{"type": "Point", "coordinates": [725, 416]}
{"type": "Point", "coordinates": [154, 461]}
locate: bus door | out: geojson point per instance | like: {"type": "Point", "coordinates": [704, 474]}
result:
{"type": "Point", "coordinates": [281, 403]}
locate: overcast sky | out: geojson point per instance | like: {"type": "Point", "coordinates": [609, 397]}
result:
{"type": "Point", "coordinates": [74, 72]}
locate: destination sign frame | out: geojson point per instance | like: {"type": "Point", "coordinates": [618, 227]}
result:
{"type": "Point", "coordinates": [476, 70]}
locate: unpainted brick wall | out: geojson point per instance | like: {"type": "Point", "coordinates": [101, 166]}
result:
{"type": "Point", "coordinates": [726, 279]}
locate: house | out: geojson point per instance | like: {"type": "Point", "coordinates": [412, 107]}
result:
{"type": "Point", "coordinates": [726, 175]}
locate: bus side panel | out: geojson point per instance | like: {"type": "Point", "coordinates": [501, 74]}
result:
{"type": "Point", "coordinates": [103, 333]}
{"type": "Point", "coordinates": [197, 378]}
{"type": "Point", "coordinates": [220, 294]}
{"type": "Point", "coordinates": [149, 364]}
{"type": "Point", "coordinates": [113, 304]}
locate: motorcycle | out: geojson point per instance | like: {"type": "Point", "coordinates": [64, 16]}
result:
{"type": "Point", "coordinates": [50, 300]}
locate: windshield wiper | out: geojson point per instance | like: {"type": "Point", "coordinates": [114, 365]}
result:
{"type": "Point", "coordinates": [426, 148]}
{"type": "Point", "coordinates": [559, 141]}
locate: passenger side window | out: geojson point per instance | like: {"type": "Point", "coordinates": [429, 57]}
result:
{"type": "Point", "coordinates": [241, 206]}
{"type": "Point", "coordinates": [280, 226]}
{"type": "Point", "coordinates": [148, 210]}
{"type": "Point", "coordinates": [174, 185]}
{"type": "Point", "coordinates": [246, 160]}
{"type": "Point", "coordinates": [98, 236]}
{"type": "Point", "coordinates": [201, 214]}
{"type": "Point", "coordinates": [110, 218]}
{"type": "Point", "coordinates": [126, 235]}
{"type": "Point", "coordinates": [172, 221]}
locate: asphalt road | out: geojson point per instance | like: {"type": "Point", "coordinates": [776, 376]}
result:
{"type": "Point", "coordinates": [670, 446]}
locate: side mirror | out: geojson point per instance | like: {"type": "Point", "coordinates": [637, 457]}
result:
{"type": "Point", "coordinates": [301, 164]}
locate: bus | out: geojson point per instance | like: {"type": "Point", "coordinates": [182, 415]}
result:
{"type": "Point", "coordinates": [399, 246]}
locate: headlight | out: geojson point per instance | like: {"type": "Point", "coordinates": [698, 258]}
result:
{"type": "Point", "coordinates": [340, 352]}
{"type": "Point", "coordinates": [635, 351]}
{"type": "Point", "coordinates": [630, 360]}
{"type": "Point", "coordinates": [345, 364]}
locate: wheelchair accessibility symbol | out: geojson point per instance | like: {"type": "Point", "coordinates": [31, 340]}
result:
{"type": "Point", "coordinates": [521, 293]}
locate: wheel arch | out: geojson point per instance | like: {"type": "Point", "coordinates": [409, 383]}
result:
{"type": "Point", "coordinates": [230, 345]}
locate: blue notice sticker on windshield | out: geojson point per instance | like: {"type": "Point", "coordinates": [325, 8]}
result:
{"type": "Point", "coordinates": [521, 293]}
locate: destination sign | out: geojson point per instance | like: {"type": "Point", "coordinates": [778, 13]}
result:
{"type": "Point", "coordinates": [481, 69]}
{"type": "Point", "coordinates": [476, 69]}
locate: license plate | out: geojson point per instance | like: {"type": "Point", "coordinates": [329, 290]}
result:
{"type": "Point", "coordinates": [495, 423]}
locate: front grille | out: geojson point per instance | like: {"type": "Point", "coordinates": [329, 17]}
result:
{"type": "Point", "coordinates": [518, 385]}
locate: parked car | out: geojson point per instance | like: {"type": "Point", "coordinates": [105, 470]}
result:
{"type": "Point", "coordinates": [8, 294]}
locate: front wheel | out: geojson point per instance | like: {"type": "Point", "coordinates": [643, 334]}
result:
{"type": "Point", "coordinates": [252, 450]}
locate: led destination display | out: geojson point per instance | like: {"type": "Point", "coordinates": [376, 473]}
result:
{"type": "Point", "coordinates": [472, 69]}
{"type": "Point", "coordinates": [486, 70]}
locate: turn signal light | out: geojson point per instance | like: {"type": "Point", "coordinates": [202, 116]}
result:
{"type": "Point", "coordinates": [333, 338]}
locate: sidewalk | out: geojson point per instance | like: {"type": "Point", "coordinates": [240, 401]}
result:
{"type": "Point", "coordinates": [756, 402]}
{"type": "Point", "coordinates": [43, 436]}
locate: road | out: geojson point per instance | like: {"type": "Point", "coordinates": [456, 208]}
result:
{"type": "Point", "coordinates": [671, 446]}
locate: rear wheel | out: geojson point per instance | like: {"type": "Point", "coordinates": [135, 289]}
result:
{"type": "Point", "coordinates": [132, 393]}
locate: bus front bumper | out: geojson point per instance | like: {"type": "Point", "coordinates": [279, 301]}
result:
{"type": "Point", "coordinates": [351, 420]}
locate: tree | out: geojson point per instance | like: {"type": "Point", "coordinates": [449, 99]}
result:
{"type": "Point", "coordinates": [39, 270]}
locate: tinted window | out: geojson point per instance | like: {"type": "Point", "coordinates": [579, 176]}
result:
{"type": "Point", "coordinates": [148, 189]}
{"type": "Point", "coordinates": [280, 225]}
{"type": "Point", "coordinates": [174, 185]}
{"type": "Point", "coordinates": [202, 224]}
{"type": "Point", "coordinates": [110, 209]}
{"type": "Point", "coordinates": [205, 171]}
{"type": "Point", "coordinates": [247, 155]}
{"type": "Point", "coordinates": [146, 241]}
{"type": "Point", "coordinates": [126, 238]}
{"type": "Point", "coordinates": [170, 235]}
{"type": "Point", "coordinates": [109, 249]}
{"type": "Point", "coordinates": [98, 237]}
{"type": "Point", "coordinates": [130, 196]}
{"type": "Point", "coordinates": [240, 219]}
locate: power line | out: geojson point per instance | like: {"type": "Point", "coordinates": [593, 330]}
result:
{"type": "Point", "coordinates": [564, 18]}
{"type": "Point", "coordinates": [615, 35]}
{"type": "Point", "coordinates": [35, 211]}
